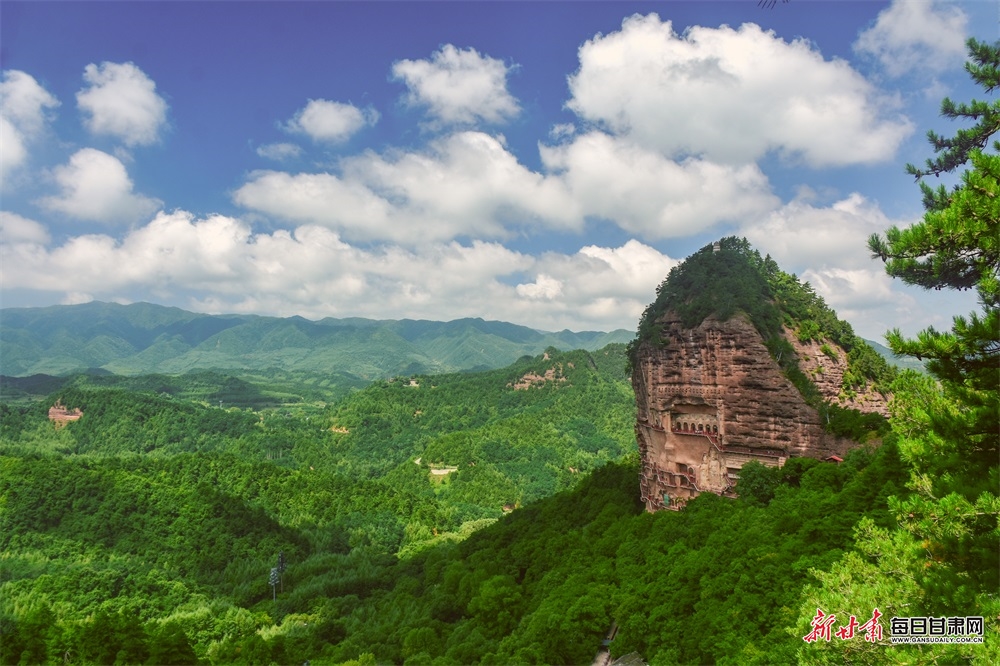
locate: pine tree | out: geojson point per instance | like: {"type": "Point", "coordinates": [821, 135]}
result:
{"type": "Point", "coordinates": [957, 244]}
{"type": "Point", "coordinates": [944, 559]}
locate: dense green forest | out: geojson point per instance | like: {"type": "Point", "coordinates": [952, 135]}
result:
{"type": "Point", "coordinates": [163, 558]}
{"type": "Point", "coordinates": [145, 530]}
{"type": "Point", "coordinates": [473, 518]}
{"type": "Point", "coordinates": [259, 389]}
{"type": "Point", "coordinates": [493, 517]}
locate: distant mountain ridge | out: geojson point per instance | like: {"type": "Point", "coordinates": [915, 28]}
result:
{"type": "Point", "coordinates": [146, 338]}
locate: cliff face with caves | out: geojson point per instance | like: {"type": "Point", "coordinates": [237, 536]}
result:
{"type": "Point", "coordinates": [711, 397]}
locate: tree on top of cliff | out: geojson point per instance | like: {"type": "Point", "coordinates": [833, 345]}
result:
{"type": "Point", "coordinates": [737, 279]}
{"type": "Point", "coordinates": [734, 279]}
{"type": "Point", "coordinates": [717, 283]}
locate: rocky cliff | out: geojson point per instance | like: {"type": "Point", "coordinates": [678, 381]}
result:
{"type": "Point", "coordinates": [710, 399]}
{"type": "Point", "coordinates": [713, 368]}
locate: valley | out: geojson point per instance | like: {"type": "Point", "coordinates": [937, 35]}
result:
{"type": "Point", "coordinates": [499, 333]}
{"type": "Point", "coordinates": [284, 515]}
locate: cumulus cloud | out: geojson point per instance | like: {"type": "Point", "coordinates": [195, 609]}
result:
{"type": "Point", "coordinates": [334, 122]}
{"type": "Point", "coordinates": [731, 95]}
{"type": "Point", "coordinates": [645, 193]}
{"type": "Point", "coordinates": [916, 36]}
{"type": "Point", "coordinates": [826, 245]}
{"type": "Point", "coordinates": [15, 229]}
{"type": "Point", "coordinates": [279, 151]}
{"type": "Point", "coordinates": [309, 269]}
{"type": "Point", "coordinates": [469, 184]}
{"type": "Point", "coordinates": [119, 100]}
{"type": "Point", "coordinates": [464, 184]}
{"type": "Point", "coordinates": [25, 102]}
{"type": "Point", "coordinates": [458, 86]}
{"type": "Point", "coordinates": [220, 264]}
{"type": "Point", "coordinates": [24, 110]}
{"type": "Point", "coordinates": [13, 150]}
{"type": "Point", "coordinates": [319, 198]}
{"type": "Point", "coordinates": [96, 186]}
{"type": "Point", "coordinates": [544, 287]}
{"type": "Point", "coordinates": [874, 303]}
{"type": "Point", "coordinates": [610, 286]}
{"type": "Point", "coordinates": [800, 234]}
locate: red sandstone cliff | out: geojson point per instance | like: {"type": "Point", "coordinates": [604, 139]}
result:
{"type": "Point", "coordinates": [711, 398]}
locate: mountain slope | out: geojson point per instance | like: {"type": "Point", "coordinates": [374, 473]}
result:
{"type": "Point", "coordinates": [146, 338]}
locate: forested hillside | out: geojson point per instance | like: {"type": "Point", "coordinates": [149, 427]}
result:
{"type": "Point", "coordinates": [164, 558]}
{"type": "Point", "coordinates": [474, 518]}
{"type": "Point", "coordinates": [153, 509]}
{"type": "Point", "coordinates": [261, 389]}
{"type": "Point", "coordinates": [143, 338]}
{"type": "Point", "coordinates": [145, 530]}
{"type": "Point", "coordinates": [494, 517]}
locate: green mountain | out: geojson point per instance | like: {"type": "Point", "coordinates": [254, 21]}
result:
{"type": "Point", "coordinates": [730, 278]}
{"type": "Point", "coordinates": [901, 362]}
{"type": "Point", "coordinates": [144, 338]}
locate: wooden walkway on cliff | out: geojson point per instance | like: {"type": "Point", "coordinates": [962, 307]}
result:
{"type": "Point", "coordinates": [714, 439]}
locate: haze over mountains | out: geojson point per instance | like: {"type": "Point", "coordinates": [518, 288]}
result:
{"type": "Point", "coordinates": [147, 338]}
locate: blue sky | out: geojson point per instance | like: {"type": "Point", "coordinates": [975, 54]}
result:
{"type": "Point", "coordinates": [541, 163]}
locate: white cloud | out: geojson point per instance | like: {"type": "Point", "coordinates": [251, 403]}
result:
{"type": "Point", "coordinates": [76, 298]}
{"type": "Point", "coordinates": [827, 247]}
{"type": "Point", "coordinates": [13, 150]}
{"type": "Point", "coordinates": [170, 250]}
{"type": "Point", "coordinates": [853, 291]}
{"type": "Point", "coordinates": [465, 184]}
{"type": "Point", "coordinates": [25, 102]}
{"type": "Point", "coordinates": [469, 184]}
{"type": "Point", "coordinates": [121, 101]}
{"type": "Point", "coordinates": [24, 110]}
{"type": "Point", "coordinates": [916, 36]}
{"type": "Point", "coordinates": [458, 86]}
{"type": "Point", "coordinates": [319, 198]}
{"type": "Point", "coordinates": [800, 235]}
{"type": "Point", "coordinates": [306, 271]}
{"type": "Point", "coordinates": [544, 287]}
{"type": "Point", "coordinates": [731, 96]}
{"type": "Point", "coordinates": [334, 122]}
{"type": "Point", "coordinates": [219, 264]}
{"type": "Point", "coordinates": [874, 303]}
{"type": "Point", "coordinates": [647, 194]}
{"type": "Point", "coordinates": [598, 286]}
{"type": "Point", "coordinates": [638, 268]}
{"type": "Point", "coordinates": [279, 151]}
{"type": "Point", "coordinates": [96, 186]}
{"type": "Point", "coordinates": [15, 229]}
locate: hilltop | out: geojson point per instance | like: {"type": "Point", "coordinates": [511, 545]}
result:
{"type": "Point", "coordinates": [734, 279]}
{"type": "Point", "coordinates": [738, 362]}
